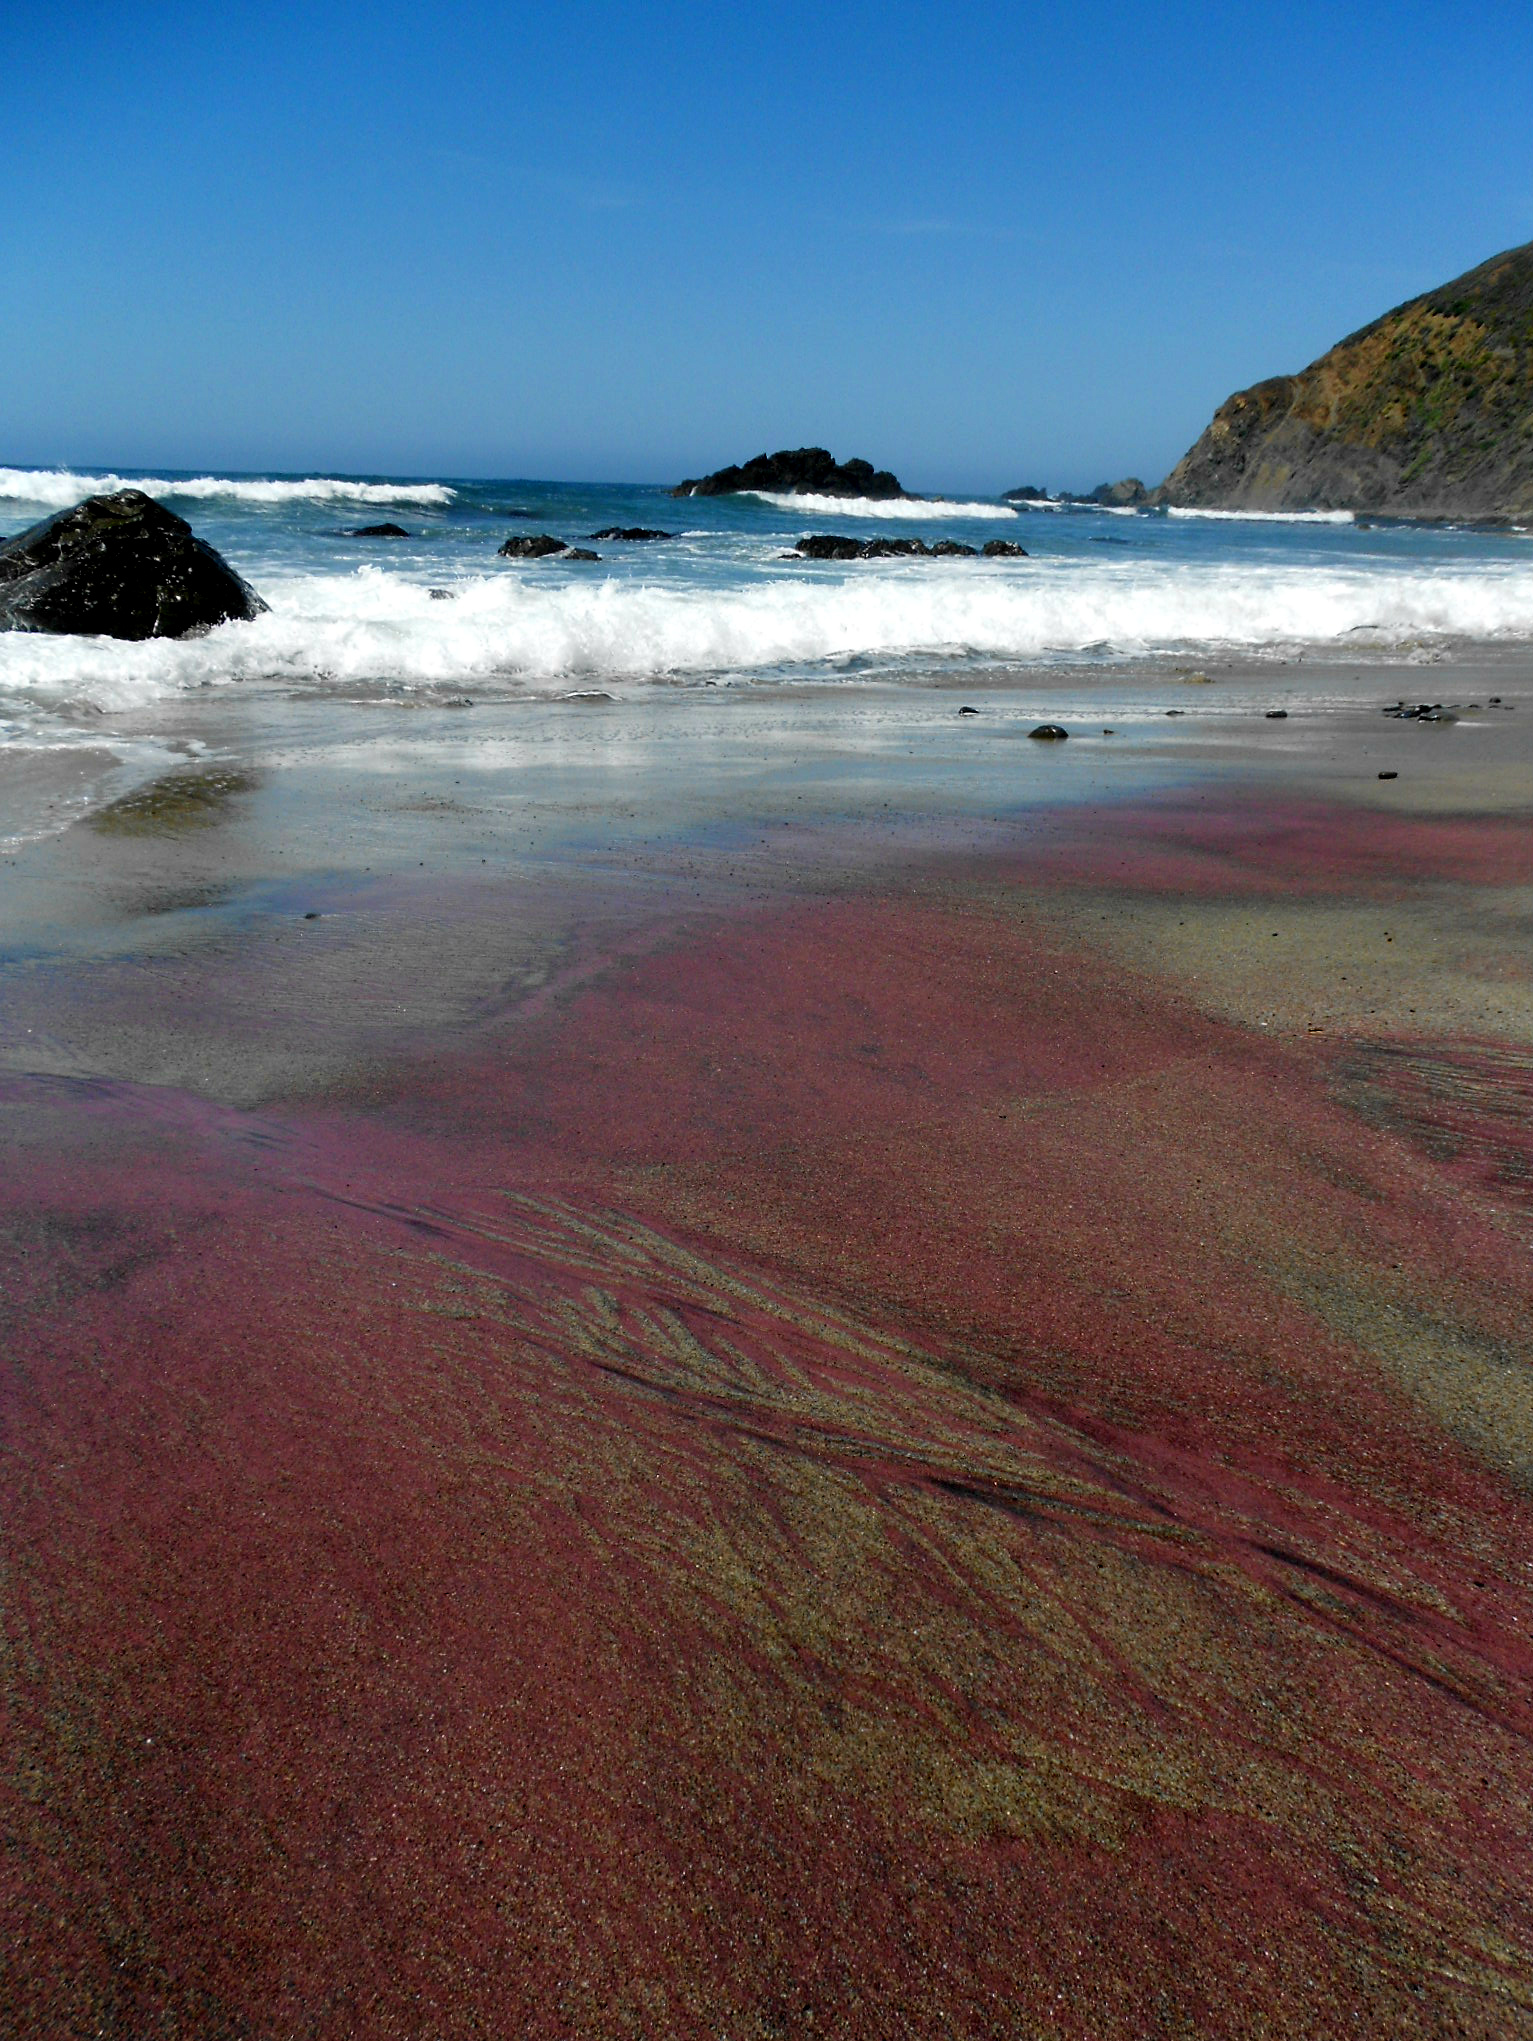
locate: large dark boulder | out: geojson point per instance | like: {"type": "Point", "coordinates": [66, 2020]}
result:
{"type": "Point", "coordinates": [1003, 549]}
{"type": "Point", "coordinates": [806, 471]}
{"type": "Point", "coordinates": [119, 566]}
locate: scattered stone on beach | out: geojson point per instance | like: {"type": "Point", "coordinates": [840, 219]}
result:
{"type": "Point", "coordinates": [1422, 712]}
{"type": "Point", "coordinates": [1003, 549]}
{"type": "Point", "coordinates": [534, 546]}
{"type": "Point", "coordinates": [1176, 712]}
{"type": "Point", "coordinates": [967, 711]}
{"type": "Point", "coordinates": [1049, 733]}
{"type": "Point", "coordinates": [803, 471]}
{"type": "Point", "coordinates": [376, 531]}
{"type": "Point", "coordinates": [1276, 715]}
{"type": "Point", "coordinates": [119, 566]}
{"type": "Point", "coordinates": [1389, 775]}
{"type": "Point", "coordinates": [631, 534]}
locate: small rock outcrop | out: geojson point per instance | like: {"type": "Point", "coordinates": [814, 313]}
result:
{"type": "Point", "coordinates": [833, 546]}
{"type": "Point", "coordinates": [532, 546]}
{"type": "Point", "coordinates": [631, 534]}
{"type": "Point", "coordinates": [1003, 549]}
{"type": "Point", "coordinates": [376, 531]}
{"type": "Point", "coordinates": [893, 549]}
{"type": "Point", "coordinates": [1027, 492]}
{"type": "Point", "coordinates": [1426, 413]}
{"type": "Point", "coordinates": [805, 471]}
{"type": "Point", "coordinates": [830, 546]}
{"type": "Point", "coordinates": [120, 566]}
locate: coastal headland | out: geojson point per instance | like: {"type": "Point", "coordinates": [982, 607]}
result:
{"type": "Point", "coordinates": [798, 1369]}
{"type": "Point", "coordinates": [1423, 413]}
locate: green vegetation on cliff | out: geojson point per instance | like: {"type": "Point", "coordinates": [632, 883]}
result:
{"type": "Point", "coordinates": [1427, 412]}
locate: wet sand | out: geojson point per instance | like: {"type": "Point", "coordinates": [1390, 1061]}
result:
{"type": "Point", "coordinates": [824, 1373]}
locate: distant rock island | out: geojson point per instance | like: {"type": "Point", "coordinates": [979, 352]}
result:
{"type": "Point", "coordinates": [1428, 412]}
{"type": "Point", "coordinates": [1127, 494]}
{"type": "Point", "coordinates": [806, 471]}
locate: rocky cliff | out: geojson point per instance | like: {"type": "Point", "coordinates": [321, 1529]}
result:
{"type": "Point", "coordinates": [1428, 412]}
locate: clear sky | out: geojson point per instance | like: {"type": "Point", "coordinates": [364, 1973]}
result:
{"type": "Point", "coordinates": [981, 244]}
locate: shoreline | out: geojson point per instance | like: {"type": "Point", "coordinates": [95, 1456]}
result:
{"type": "Point", "coordinates": [46, 788]}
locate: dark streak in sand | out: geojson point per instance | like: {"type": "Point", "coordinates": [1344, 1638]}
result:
{"type": "Point", "coordinates": [811, 1479]}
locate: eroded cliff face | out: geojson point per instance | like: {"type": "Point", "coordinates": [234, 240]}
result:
{"type": "Point", "coordinates": [1427, 412]}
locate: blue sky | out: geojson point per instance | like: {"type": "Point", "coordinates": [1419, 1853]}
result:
{"type": "Point", "coordinates": [982, 245]}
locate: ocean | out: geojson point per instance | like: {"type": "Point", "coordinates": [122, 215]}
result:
{"type": "Point", "coordinates": [439, 617]}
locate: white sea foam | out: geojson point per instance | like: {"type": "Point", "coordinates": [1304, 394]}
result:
{"type": "Point", "coordinates": [1078, 503]}
{"type": "Point", "coordinates": [58, 488]}
{"type": "Point", "coordinates": [918, 507]}
{"type": "Point", "coordinates": [1266, 516]}
{"type": "Point", "coordinates": [511, 629]}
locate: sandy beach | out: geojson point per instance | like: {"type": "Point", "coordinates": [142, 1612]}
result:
{"type": "Point", "coordinates": [778, 1365]}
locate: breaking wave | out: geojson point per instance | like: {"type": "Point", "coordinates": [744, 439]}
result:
{"type": "Point", "coordinates": [1266, 516]}
{"type": "Point", "coordinates": [509, 630]}
{"type": "Point", "coordinates": [922, 507]}
{"type": "Point", "coordinates": [59, 488]}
